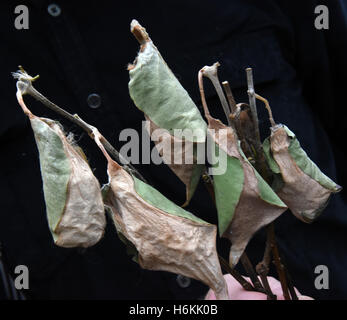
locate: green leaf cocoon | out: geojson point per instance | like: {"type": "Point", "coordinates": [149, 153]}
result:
{"type": "Point", "coordinates": [74, 206]}
{"type": "Point", "coordinates": [228, 188]}
{"type": "Point", "coordinates": [157, 92]}
{"type": "Point", "coordinates": [55, 171]}
{"type": "Point", "coordinates": [166, 237]}
{"type": "Point", "coordinates": [166, 104]}
{"type": "Point", "coordinates": [245, 202]}
{"type": "Point", "coordinates": [299, 181]}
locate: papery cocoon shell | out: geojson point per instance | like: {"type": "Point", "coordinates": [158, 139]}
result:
{"type": "Point", "coordinates": [180, 155]}
{"type": "Point", "coordinates": [157, 92]}
{"type": "Point", "coordinates": [245, 202]}
{"type": "Point", "coordinates": [166, 237]}
{"type": "Point", "coordinates": [75, 209]}
{"type": "Point", "coordinates": [298, 181]}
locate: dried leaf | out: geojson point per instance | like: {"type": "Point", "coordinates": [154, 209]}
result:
{"type": "Point", "coordinates": [75, 210]}
{"type": "Point", "coordinates": [244, 201]}
{"type": "Point", "coordinates": [298, 181]}
{"type": "Point", "coordinates": [156, 91]}
{"type": "Point", "coordinates": [245, 129]}
{"type": "Point", "coordinates": [72, 194]}
{"type": "Point", "coordinates": [166, 237]}
{"type": "Point", "coordinates": [181, 159]}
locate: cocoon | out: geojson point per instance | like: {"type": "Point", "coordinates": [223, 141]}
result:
{"type": "Point", "coordinates": [166, 104]}
{"type": "Point", "coordinates": [162, 235]}
{"type": "Point", "coordinates": [75, 209]}
{"type": "Point", "coordinates": [298, 181]}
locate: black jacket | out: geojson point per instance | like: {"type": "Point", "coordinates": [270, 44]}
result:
{"type": "Point", "coordinates": [85, 50]}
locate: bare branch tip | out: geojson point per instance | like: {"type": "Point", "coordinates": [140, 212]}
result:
{"type": "Point", "coordinates": [24, 80]}
{"type": "Point", "coordinates": [139, 32]}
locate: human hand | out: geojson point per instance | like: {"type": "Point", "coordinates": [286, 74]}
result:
{"type": "Point", "coordinates": [236, 292]}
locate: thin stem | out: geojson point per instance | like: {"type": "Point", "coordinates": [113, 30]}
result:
{"type": "Point", "coordinates": [263, 268]}
{"type": "Point", "coordinates": [253, 106]}
{"type": "Point", "coordinates": [247, 265]}
{"type": "Point", "coordinates": [139, 32]}
{"type": "Point", "coordinates": [24, 86]}
{"type": "Point", "coordinates": [289, 281]}
{"type": "Point", "coordinates": [261, 164]}
{"type": "Point", "coordinates": [49, 104]}
{"type": "Point", "coordinates": [230, 96]}
{"type": "Point", "coordinates": [211, 73]}
{"type": "Point", "coordinates": [278, 263]}
{"type": "Point", "coordinates": [237, 276]}
{"type": "Point", "coordinates": [267, 106]}
{"type": "Point", "coordinates": [202, 94]}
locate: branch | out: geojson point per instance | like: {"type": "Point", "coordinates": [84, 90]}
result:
{"type": "Point", "coordinates": [267, 106]}
{"type": "Point", "coordinates": [263, 169]}
{"type": "Point", "coordinates": [211, 73]}
{"type": "Point", "coordinates": [24, 86]}
{"type": "Point", "coordinates": [263, 268]}
{"type": "Point", "coordinates": [230, 96]}
{"type": "Point", "coordinates": [277, 261]}
{"type": "Point", "coordinates": [247, 265]}
{"type": "Point", "coordinates": [252, 104]}
{"type": "Point", "coordinates": [240, 279]}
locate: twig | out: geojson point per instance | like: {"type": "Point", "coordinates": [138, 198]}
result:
{"type": "Point", "coordinates": [252, 102]}
{"type": "Point", "coordinates": [267, 106]}
{"type": "Point", "coordinates": [291, 288]}
{"type": "Point", "coordinates": [139, 32]}
{"type": "Point", "coordinates": [261, 164]}
{"type": "Point", "coordinates": [24, 86]}
{"type": "Point", "coordinates": [211, 73]}
{"type": "Point", "coordinates": [247, 265]}
{"type": "Point", "coordinates": [277, 262]}
{"type": "Point", "coordinates": [202, 94]}
{"type": "Point", "coordinates": [237, 276]}
{"type": "Point", "coordinates": [263, 268]}
{"type": "Point", "coordinates": [230, 96]}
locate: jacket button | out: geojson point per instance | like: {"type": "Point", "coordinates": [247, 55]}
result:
{"type": "Point", "coordinates": [94, 100]}
{"type": "Point", "coordinates": [54, 10]}
{"type": "Point", "coordinates": [183, 282]}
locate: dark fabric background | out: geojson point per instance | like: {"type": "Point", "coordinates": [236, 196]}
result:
{"type": "Point", "coordinates": [86, 49]}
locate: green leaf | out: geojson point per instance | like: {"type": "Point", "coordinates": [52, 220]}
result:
{"type": "Point", "coordinates": [302, 160]}
{"type": "Point", "coordinates": [156, 199]}
{"type": "Point", "coordinates": [156, 91]}
{"type": "Point", "coordinates": [55, 170]}
{"type": "Point", "coordinates": [265, 191]}
{"type": "Point", "coordinates": [227, 187]}
{"type": "Point", "coordinates": [269, 159]}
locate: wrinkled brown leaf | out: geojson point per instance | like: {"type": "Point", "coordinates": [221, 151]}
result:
{"type": "Point", "coordinates": [75, 210]}
{"type": "Point", "coordinates": [180, 159]}
{"type": "Point", "coordinates": [305, 197]}
{"type": "Point", "coordinates": [252, 211]}
{"type": "Point", "coordinates": [83, 221]}
{"type": "Point", "coordinates": [164, 241]}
